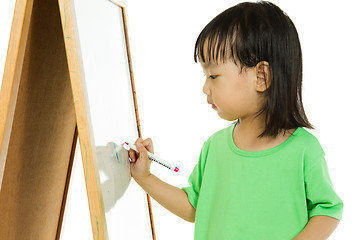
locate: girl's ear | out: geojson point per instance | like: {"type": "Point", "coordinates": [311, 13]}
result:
{"type": "Point", "coordinates": [263, 76]}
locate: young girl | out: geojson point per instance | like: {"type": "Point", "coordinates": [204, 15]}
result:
{"type": "Point", "coordinates": [264, 177]}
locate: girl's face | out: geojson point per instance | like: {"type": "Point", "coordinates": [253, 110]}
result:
{"type": "Point", "coordinates": [233, 93]}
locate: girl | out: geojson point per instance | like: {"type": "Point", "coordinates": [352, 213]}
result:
{"type": "Point", "coordinates": [264, 177]}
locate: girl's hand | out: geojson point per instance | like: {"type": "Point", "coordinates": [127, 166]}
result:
{"type": "Point", "coordinates": [140, 163]}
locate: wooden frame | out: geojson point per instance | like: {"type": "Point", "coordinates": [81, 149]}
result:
{"type": "Point", "coordinates": [37, 108]}
{"type": "Point", "coordinates": [43, 109]}
{"type": "Point", "coordinates": [121, 5]}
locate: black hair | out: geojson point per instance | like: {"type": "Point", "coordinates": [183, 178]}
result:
{"type": "Point", "coordinates": [250, 33]}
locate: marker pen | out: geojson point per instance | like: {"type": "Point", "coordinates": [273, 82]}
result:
{"type": "Point", "coordinates": [155, 158]}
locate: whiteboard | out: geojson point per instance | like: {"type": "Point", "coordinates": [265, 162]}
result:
{"type": "Point", "coordinates": [112, 116]}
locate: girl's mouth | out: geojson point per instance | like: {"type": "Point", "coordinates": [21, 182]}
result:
{"type": "Point", "coordinates": [212, 105]}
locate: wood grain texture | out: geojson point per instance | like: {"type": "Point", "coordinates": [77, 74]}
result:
{"type": "Point", "coordinates": [42, 132]}
{"type": "Point", "coordinates": [85, 131]}
{"type": "Point", "coordinates": [12, 73]}
{"type": "Point", "coordinates": [136, 110]}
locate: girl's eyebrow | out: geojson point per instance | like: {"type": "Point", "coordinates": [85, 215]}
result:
{"type": "Point", "coordinates": [208, 64]}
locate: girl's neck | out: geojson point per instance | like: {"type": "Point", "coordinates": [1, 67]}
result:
{"type": "Point", "coordinates": [246, 134]}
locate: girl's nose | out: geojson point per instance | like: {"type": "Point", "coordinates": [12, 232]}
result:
{"type": "Point", "coordinates": [206, 88]}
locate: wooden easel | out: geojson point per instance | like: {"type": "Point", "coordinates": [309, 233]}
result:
{"type": "Point", "coordinates": [43, 109]}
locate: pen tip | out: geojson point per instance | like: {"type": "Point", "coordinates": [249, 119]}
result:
{"type": "Point", "coordinates": [176, 169]}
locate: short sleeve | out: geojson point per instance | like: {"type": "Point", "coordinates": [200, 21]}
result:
{"type": "Point", "coordinates": [195, 178]}
{"type": "Point", "coordinates": [321, 196]}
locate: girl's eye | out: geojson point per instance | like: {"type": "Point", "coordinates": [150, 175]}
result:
{"type": "Point", "coordinates": [212, 76]}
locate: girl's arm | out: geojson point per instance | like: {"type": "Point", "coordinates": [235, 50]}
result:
{"type": "Point", "coordinates": [172, 198]}
{"type": "Point", "coordinates": [318, 228]}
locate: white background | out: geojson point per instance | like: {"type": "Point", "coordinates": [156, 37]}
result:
{"type": "Point", "coordinates": [174, 112]}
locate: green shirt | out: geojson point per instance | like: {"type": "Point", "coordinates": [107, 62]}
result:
{"type": "Point", "coordinates": [255, 195]}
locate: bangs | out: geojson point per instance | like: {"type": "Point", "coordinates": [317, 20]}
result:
{"type": "Point", "coordinates": [217, 44]}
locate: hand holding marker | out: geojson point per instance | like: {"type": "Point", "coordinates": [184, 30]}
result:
{"type": "Point", "coordinates": [154, 158]}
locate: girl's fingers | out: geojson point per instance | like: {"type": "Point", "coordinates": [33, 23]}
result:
{"type": "Point", "coordinates": [149, 145]}
{"type": "Point", "coordinates": [132, 155]}
{"type": "Point", "coordinates": [142, 150]}
{"type": "Point", "coordinates": [138, 141]}
{"type": "Point", "coordinates": [142, 146]}
{"type": "Point", "coordinates": [141, 166]}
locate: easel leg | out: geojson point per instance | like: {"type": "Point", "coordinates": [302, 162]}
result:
{"type": "Point", "coordinates": [67, 183]}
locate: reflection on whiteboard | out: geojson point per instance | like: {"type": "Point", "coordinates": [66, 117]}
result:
{"type": "Point", "coordinates": [114, 169]}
